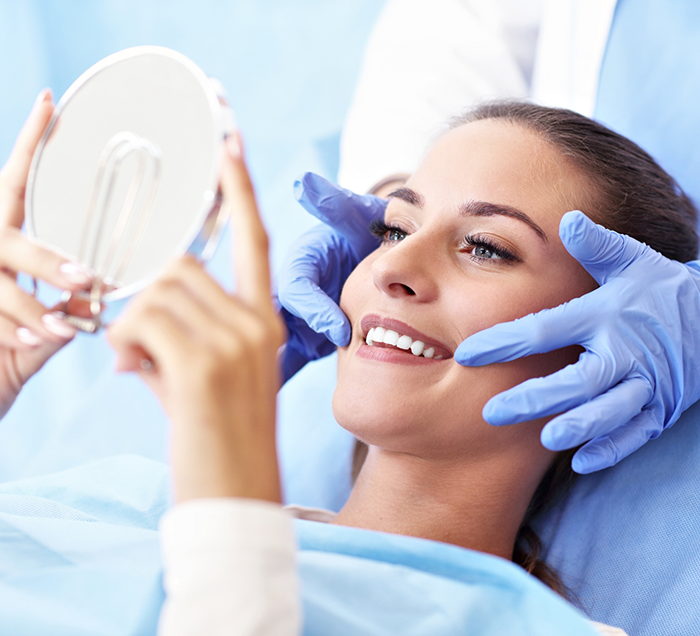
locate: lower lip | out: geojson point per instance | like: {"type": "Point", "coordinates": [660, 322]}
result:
{"type": "Point", "coordinates": [392, 355]}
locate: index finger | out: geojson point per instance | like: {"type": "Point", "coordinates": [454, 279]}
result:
{"type": "Point", "coordinates": [567, 324]}
{"type": "Point", "coordinates": [250, 242]}
{"type": "Point", "coordinates": [13, 177]}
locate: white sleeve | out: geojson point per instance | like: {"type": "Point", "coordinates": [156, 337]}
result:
{"type": "Point", "coordinates": [229, 568]}
{"type": "Point", "coordinates": [427, 61]}
{"type": "Point", "coordinates": [607, 630]}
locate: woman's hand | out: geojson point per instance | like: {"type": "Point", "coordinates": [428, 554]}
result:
{"type": "Point", "coordinates": [211, 358]}
{"type": "Point", "coordinates": [29, 333]}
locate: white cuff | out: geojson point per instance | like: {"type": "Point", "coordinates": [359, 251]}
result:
{"type": "Point", "coordinates": [229, 568]}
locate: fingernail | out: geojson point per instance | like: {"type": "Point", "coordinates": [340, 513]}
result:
{"type": "Point", "coordinates": [233, 146]}
{"type": "Point", "coordinates": [76, 273]}
{"type": "Point", "coordinates": [57, 326]}
{"type": "Point", "coordinates": [27, 337]}
{"type": "Point", "coordinates": [43, 96]}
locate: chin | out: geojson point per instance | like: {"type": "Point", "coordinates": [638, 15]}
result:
{"type": "Point", "coordinates": [403, 421]}
{"type": "Point", "coordinates": [372, 419]}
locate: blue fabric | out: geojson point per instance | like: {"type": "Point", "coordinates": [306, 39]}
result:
{"type": "Point", "coordinates": [626, 539]}
{"type": "Point", "coordinates": [650, 83]}
{"type": "Point", "coordinates": [362, 582]}
{"type": "Point", "coordinates": [79, 552]}
{"type": "Point", "coordinates": [80, 556]}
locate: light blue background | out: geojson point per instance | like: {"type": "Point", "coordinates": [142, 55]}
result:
{"type": "Point", "coordinates": [289, 67]}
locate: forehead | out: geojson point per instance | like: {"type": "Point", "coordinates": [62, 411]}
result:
{"type": "Point", "coordinates": [501, 162]}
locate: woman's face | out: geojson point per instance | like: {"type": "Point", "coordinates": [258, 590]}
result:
{"type": "Point", "coordinates": [475, 243]}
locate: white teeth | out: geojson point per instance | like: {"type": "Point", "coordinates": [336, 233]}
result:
{"type": "Point", "coordinates": [370, 337]}
{"type": "Point", "coordinates": [391, 337]}
{"type": "Point", "coordinates": [417, 347]}
{"type": "Point", "coordinates": [404, 342]}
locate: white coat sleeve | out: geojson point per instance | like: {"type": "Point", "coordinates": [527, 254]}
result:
{"type": "Point", "coordinates": [427, 61]}
{"type": "Point", "coordinates": [229, 569]}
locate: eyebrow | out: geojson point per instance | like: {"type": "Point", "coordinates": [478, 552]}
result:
{"type": "Point", "coordinates": [474, 208]}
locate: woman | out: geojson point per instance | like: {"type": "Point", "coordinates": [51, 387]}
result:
{"type": "Point", "coordinates": [471, 240]}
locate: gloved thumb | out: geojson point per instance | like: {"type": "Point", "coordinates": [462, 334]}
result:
{"type": "Point", "coordinates": [602, 252]}
{"type": "Point", "coordinates": [346, 212]}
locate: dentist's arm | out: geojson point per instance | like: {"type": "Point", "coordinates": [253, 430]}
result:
{"type": "Point", "coordinates": [641, 367]}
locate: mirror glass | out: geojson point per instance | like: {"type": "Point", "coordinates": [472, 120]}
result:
{"type": "Point", "coordinates": [126, 175]}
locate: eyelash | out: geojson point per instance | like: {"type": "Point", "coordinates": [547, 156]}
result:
{"type": "Point", "coordinates": [381, 230]}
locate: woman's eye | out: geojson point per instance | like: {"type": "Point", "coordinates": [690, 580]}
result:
{"type": "Point", "coordinates": [484, 248]}
{"type": "Point", "coordinates": [483, 251]}
{"type": "Point", "coordinates": [387, 233]}
{"type": "Point", "coordinates": [394, 234]}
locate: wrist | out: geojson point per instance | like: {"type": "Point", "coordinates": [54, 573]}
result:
{"type": "Point", "coordinates": [216, 481]}
{"type": "Point", "coordinates": [215, 460]}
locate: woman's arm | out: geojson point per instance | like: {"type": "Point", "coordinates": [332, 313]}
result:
{"type": "Point", "coordinates": [29, 333]}
{"type": "Point", "coordinates": [212, 362]}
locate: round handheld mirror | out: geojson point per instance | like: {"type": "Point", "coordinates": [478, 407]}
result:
{"type": "Point", "coordinates": [125, 178]}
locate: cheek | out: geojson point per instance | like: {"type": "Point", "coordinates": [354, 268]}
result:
{"type": "Point", "coordinates": [357, 288]}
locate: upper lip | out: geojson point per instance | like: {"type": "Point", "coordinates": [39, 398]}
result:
{"type": "Point", "coordinates": [374, 320]}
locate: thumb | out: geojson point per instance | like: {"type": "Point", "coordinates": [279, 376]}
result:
{"type": "Point", "coordinates": [602, 252]}
{"type": "Point", "coordinates": [346, 212]}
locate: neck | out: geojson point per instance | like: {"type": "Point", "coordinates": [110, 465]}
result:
{"type": "Point", "coordinates": [476, 505]}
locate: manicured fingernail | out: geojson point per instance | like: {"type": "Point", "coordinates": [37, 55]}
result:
{"type": "Point", "coordinates": [76, 273]}
{"type": "Point", "coordinates": [27, 337]}
{"type": "Point", "coordinates": [44, 96]}
{"type": "Point", "coordinates": [233, 146]}
{"type": "Point", "coordinates": [57, 326]}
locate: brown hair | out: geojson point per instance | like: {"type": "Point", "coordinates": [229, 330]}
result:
{"type": "Point", "coordinates": [633, 196]}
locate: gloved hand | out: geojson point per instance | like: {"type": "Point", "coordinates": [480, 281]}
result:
{"type": "Point", "coordinates": [641, 367]}
{"type": "Point", "coordinates": [318, 265]}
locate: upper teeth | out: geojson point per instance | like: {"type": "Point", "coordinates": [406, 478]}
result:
{"type": "Point", "coordinates": [390, 337]}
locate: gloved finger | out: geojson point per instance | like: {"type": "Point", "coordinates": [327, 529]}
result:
{"type": "Point", "coordinates": [601, 416]}
{"type": "Point", "coordinates": [305, 299]}
{"type": "Point", "coordinates": [311, 276]}
{"type": "Point", "coordinates": [603, 452]}
{"type": "Point", "coordinates": [566, 389]}
{"type": "Point", "coordinates": [547, 330]}
{"type": "Point", "coordinates": [348, 213]}
{"type": "Point", "coordinates": [303, 345]}
{"type": "Point", "coordinates": [602, 252]}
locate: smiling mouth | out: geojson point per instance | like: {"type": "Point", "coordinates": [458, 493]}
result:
{"type": "Point", "coordinates": [381, 337]}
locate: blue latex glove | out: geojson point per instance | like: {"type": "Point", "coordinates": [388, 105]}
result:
{"type": "Point", "coordinates": [318, 265]}
{"type": "Point", "coordinates": [641, 332]}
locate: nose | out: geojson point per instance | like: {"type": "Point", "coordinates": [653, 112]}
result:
{"type": "Point", "coordinates": [407, 270]}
